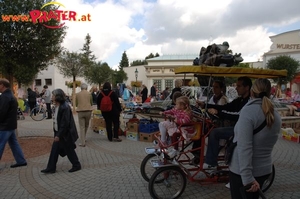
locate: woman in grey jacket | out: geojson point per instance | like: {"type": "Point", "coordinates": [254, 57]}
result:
{"type": "Point", "coordinates": [251, 163]}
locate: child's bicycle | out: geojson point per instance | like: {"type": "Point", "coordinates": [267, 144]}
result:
{"type": "Point", "coordinates": [167, 175]}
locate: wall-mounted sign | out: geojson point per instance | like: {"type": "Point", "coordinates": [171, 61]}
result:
{"type": "Point", "coordinates": [288, 46]}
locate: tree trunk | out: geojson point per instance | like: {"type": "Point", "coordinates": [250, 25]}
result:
{"type": "Point", "coordinates": [74, 95]}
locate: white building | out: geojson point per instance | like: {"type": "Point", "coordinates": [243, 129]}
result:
{"type": "Point", "coordinates": [287, 43]}
{"type": "Point", "coordinates": [53, 79]}
{"type": "Point", "coordinates": [160, 70]}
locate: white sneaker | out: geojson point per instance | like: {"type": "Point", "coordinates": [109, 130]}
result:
{"type": "Point", "coordinates": [207, 166]}
{"type": "Point", "coordinates": [227, 185]}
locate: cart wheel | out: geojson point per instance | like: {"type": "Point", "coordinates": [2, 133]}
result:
{"type": "Point", "coordinates": [267, 184]}
{"type": "Point", "coordinates": [171, 187]}
{"type": "Point", "coordinates": [146, 168]}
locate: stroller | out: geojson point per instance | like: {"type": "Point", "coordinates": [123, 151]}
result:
{"type": "Point", "coordinates": [21, 108]}
{"type": "Point", "coordinates": [20, 115]}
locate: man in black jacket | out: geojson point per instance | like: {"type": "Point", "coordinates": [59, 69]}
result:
{"type": "Point", "coordinates": [153, 91]}
{"type": "Point", "coordinates": [8, 123]}
{"type": "Point", "coordinates": [230, 112]}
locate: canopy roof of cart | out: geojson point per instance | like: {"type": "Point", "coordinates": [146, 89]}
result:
{"type": "Point", "coordinates": [231, 71]}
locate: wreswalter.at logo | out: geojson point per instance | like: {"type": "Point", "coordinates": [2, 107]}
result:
{"type": "Point", "coordinates": [43, 17]}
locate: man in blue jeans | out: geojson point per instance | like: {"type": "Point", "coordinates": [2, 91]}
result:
{"type": "Point", "coordinates": [230, 112]}
{"type": "Point", "coordinates": [8, 123]}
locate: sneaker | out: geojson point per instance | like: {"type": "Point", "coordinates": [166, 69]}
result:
{"type": "Point", "coordinates": [207, 166]}
{"type": "Point", "coordinates": [227, 185]}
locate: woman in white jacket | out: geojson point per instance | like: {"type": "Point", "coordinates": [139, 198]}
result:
{"type": "Point", "coordinates": [251, 163]}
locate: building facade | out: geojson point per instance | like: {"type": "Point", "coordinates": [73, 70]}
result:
{"type": "Point", "coordinates": [287, 43]}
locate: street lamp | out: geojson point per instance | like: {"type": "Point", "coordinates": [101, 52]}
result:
{"type": "Point", "coordinates": [136, 72]}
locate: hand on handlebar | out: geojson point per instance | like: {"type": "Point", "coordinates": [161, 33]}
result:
{"type": "Point", "coordinates": [200, 104]}
{"type": "Point", "coordinates": [212, 111]}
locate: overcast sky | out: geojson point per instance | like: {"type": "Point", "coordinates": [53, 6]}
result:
{"type": "Point", "coordinates": [178, 26]}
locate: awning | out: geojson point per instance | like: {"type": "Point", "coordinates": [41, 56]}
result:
{"type": "Point", "coordinates": [231, 71]}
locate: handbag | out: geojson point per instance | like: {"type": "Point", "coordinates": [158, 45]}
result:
{"type": "Point", "coordinates": [230, 146]}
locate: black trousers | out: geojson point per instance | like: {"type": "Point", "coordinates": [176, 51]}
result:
{"type": "Point", "coordinates": [61, 147]}
{"type": "Point", "coordinates": [236, 187]}
{"type": "Point", "coordinates": [32, 105]}
{"type": "Point", "coordinates": [111, 118]}
{"type": "Point", "coordinates": [49, 111]}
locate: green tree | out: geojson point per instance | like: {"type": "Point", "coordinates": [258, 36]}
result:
{"type": "Point", "coordinates": [124, 61]}
{"type": "Point", "coordinates": [100, 73]}
{"type": "Point", "coordinates": [69, 65]}
{"type": "Point", "coordinates": [149, 56]}
{"type": "Point", "coordinates": [27, 48]}
{"type": "Point", "coordinates": [144, 62]}
{"type": "Point", "coordinates": [138, 63]}
{"type": "Point", "coordinates": [120, 76]}
{"type": "Point", "coordinates": [284, 62]}
{"type": "Point", "coordinates": [88, 59]}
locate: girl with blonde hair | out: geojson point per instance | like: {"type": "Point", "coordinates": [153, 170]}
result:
{"type": "Point", "coordinates": [180, 114]}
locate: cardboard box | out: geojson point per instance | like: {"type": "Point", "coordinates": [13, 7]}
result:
{"type": "Point", "coordinates": [132, 127]}
{"type": "Point", "coordinates": [97, 114]}
{"type": "Point", "coordinates": [102, 131]}
{"type": "Point", "coordinates": [98, 122]}
{"type": "Point", "coordinates": [132, 136]}
{"type": "Point", "coordinates": [289, 134]}
{"type": "Point", "coordinates": [148, 137]}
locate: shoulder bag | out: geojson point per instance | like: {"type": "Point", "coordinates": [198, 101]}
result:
{"type": "Point", "coordinates": [230, 146]}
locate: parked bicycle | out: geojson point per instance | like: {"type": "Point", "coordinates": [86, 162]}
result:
{"type": "Point", "coordinates": [40, 111]}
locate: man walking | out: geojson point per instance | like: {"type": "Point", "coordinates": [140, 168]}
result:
{"type": "Point", "coordinates": [8, 123]}
{"type": "Point", "coordinates": [47, 98]}
{"type": "Point", "coordinates": [84, 103]}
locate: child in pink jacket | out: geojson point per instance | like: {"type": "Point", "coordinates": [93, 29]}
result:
{"type": "Point", "coordinates": [180, 114]}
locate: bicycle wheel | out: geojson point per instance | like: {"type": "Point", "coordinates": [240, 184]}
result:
{"type": "Point", "coordinates": [146, 168]}
{"type": "Point", "coordinates": [171, 187]}
{"type": "Point", "coordinates": [40, 113]}
{"type": "Point", "coordinates": [267, 184]}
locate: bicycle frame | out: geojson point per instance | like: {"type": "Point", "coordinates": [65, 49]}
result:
{"type": "Point", "coordinates": [183, 158]}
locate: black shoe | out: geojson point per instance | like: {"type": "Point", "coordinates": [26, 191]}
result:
{"type": "Point", "coordinates": [18, 165]}
{"type": "Point", "coordinates": [117, 140]}
{"type": "Point", "coordinates": [47, 171]}
{"type": "Point", "coordinates": [74, 169]}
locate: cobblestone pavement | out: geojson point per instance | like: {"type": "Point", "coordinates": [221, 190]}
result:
{"type": "Point", "coordinates": [112, 170]}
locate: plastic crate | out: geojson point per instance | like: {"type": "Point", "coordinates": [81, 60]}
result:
{"type": "Point", "coordinates": [148, 127]}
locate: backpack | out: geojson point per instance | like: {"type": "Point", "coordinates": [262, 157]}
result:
{"type": "Point", "coordinates": [106, 103]}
